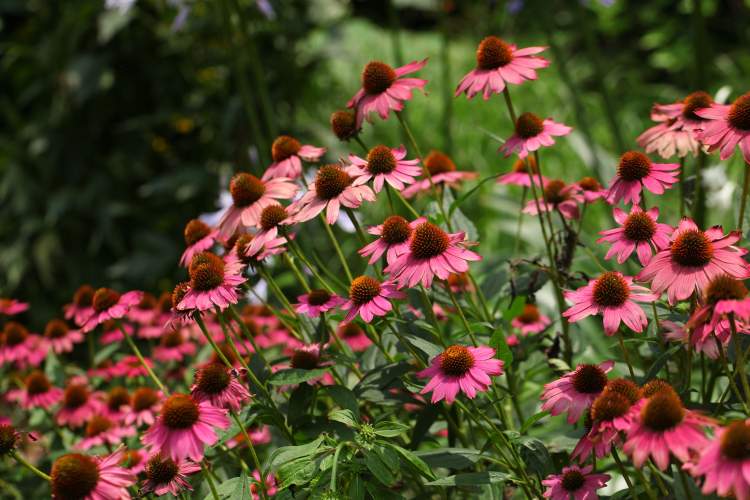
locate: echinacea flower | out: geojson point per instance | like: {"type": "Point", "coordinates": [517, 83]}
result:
{"type": "Point", "coordinates": [725, 460]}
{"type": "Point", "coordinates": [727, 126]}
{"type": "Point", "coordinates": [251, 249]}
{"type": "Point", "coordinates": [333, 187]}
{"type": "Point", "coordinates": [344, 124]}
{"type": "Point", "coordinates": [212, 284]}
{"type": "Point", "coordinates": [500, 63]}
{"type": "Point", "coordinates": [80, 309]}
{"type": "Point", "coordinates": [662, 426]}
{"type": "Point", "coordinates": [574, 482]}
{"type": "Point", "coordinates": [530, 320]}
{"type": "Point", "coordinates": [101, 430]}
{"type": "Point", "coordinates": [173, 346]}
{"type": "Point", "coordinates": [130, 367]}
{"type": "Point", "coordinates": [250, 196]}
{"type": "Point", "coordinates": [692, 258]}
{"type": "Point", "coordinates": [636, 171]}
{"type": "Point", "coordinates": [270, 485]}
{"type": "Point", "coordinates": [556, 195]}
{"type": "Point", "coordinates": [393, 241]}
{"type": "Point", "coordinates": [133, 461]}
{"type": "Point", "coordinates": [90, 478]}
{"type": "Point", "coordinates": [354, 335]}
{"type": "Point", "coordinates": [638, 232]}
{"type": "Point", "coordinates": [307, 357]}
{"type": "Point", "coordinates": [384, 89]}
{"type": "Point", "coordinates": [459, 283]}
{"type": "Point", "coordinates": [78, 405]}
{"type": "Point", "coordinates": [9, 437]}
{"type": "Point", "coordinates": [461, 368]}
{"type": "Point", "coordinates": [184, 427]}
{"type": "Point", "coordinates": [199, 237]}
{"type": "Point", "coordinates": [575, 391]}
{"type": "Point", "coordinates": [591, 189]}
{"type": "Point", "coordinates": [60, 337]}
{"type": "Point", "coordinates": [113, 332]}
{"type": "Point", "coordinates": [722, 297]}
{"type": "Point", "coordinates": [11, 307]}
{"type": "Point", "coordinates": [116, 403]}
{"type": "Point", "coordinates": [432, 252]}
{"type": "Point", "coordinates": [521, 173]}
{"type": "Point", "coordinates": [17, 344]}
{"type": "Point", "coordinates": [145, 404]}
{"type": "Point", "coordinates": [369, 297]}
{"type": "Point", "coordinates": [678, 129]}
{"type": "Point", "coordinates": [110, 305]}
{"type": "Point", "coordinates": [165, 475]}
{"type": "Point", "coordinates": [384, 164]}
{"type": "Point", "coordinates": [144, 311]}
{"type": "Point", "coordinates": [614, 296]}
{"type": "Point", "coordinates": [218, 385]}
{"type": "Point", "coordinates": [441, 171]}
{"type": "Point", "coordinates": [531, 133]}
{"type": "Point", "coordinates": [317, 301]}
{"type": "Point", "coordinates": [287, 154]}
{"type": "Point", "coordinates": [258, 434]}
{"type": "Point", "coordinates": [37, 392]}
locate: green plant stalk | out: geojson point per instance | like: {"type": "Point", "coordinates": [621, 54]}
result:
{"type": "Point", "coordinates": [21, 460]}
{"type": "Point", "coordinates": [138, 355]}
{"type": "Point", "coordinates": [624, 473]}
{"type": "Point", "coordinates": [519, 225]}
{"type": "Point", "coordinates": [728, 373]}
{"type": "Point", "coordinates": [743, 203]}
{"type": "Point", "coordinates": [209, 479]}
{"type": "Point", "coordinates": [337, 247]}
{"type": "Point", "coordinates": [699, 196]}
{"type": "Point", "coordinates": [254, 456]}
{"type": "Point", "coordinates": [406, 203]}
{"type": "Point", "coordinates": [334, 470]}
{"type": "Point", "coordinates": [296, 271]}
{"type": "Point", "coordinates": [739, 360]}
{"type": "Point", "coordinates": [682, 186]}
{"type": "Point", "coordinates": [360, 233]}
{"type": "Point", "coordinates": [625, 354]}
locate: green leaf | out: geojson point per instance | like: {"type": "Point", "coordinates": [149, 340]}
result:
{"type": "Point", "coordinates": [532, 420]}
{"type": "Point", "coordinates": [357, 488]}
{"type": "Point", "coordinates": [516, 308]}
{"type": "Point", "coordinates": [293, 376]}
{"type": "Point", "coordinates": [298, 472]}
{"type": "Point", "coordinates": [470, 192]}
{"type": "Point", "coordinates": [242, 488]}
{"type": "Point", "coordinates": [106, 352]}
{"type": "Point", "coordinates": [345, 398]}
{"type": "Point", "coordinates": [346, 417]}
{"type": "Point", "coordinates": [471, 479]}
{"type": "Point", "coordinates": [450, 458]}
{"type": "Point", "coordinates": [535, 454]}
{"type": "Point", "coordinates": [498, 342]}
{"type": "Point", "coordinates": [409, 457]}
{"type": "Point", "coordinates": [659, 363]}
{"type": "Point", "coordinates": [375, 464]}
{"type": "Point", "coordinates": [390, 429]}
{"type": "Point", "coordinates": [424, 345]}
{"type": "Point", "coordinates": [286, 454]}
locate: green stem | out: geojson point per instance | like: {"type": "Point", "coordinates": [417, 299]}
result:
{"type": "Point", "coordinates": [209, 479]}
{"type": "Point", "coordinates": [699, 197]}
{"type": "Point", "coordinates": [138, 355]}
{"type": "Point", "coordinates": [334, 470]}
{"type": "Point", "coordinates": [296, 271]}
{"type": "Point", "coordinates": [625, 354]}
{"type": "Point", "coordinates": [743, 202]}
{"type": "Point", "coordinates": [624, 473]}
{"type": "Point", "coordinates": [517, 242]}
{"type": "Point", "coordinates": [361, 144]}
{"type": "Point", "coordinates": [337, 247]}
{"type": "Point", "coordinates": [254, 456]}
{"type": "Point", "coordinates": [28, 465]}
{"type": "Point", "coordinates": [360, 232]}
{"type": "Point", "coordinates": [739, 360]}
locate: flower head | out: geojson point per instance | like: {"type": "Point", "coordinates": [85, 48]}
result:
{"type": "Point", "coordinates": [317, 301]}
{"type": "Point", "coordinates": [213, 283]}
{"type": "Point", "coordinates": [678, 128]}
{"type": "Point", "coordinates": [287, 154]}
{"type": "Point", "coordinates": [369, 297]}
{"type": "Point", "coordinates": [102, 430]}
{"type": "Point", "coordinates": [559, 196]}
{"type": "Point", "coordinates": [384, 164]}
{"type": "Point", "coordinates": [638, 232]}
{"type": "Point", "coordinates": [636, 171]}
{"type": "Point", "coordinates": [354, 335]}
{"type": "Point", "coordinates": [523, 173]}
{"type": "Point", "coordinates": [108, 304]}
{"type": "Point", "coordinates": [394, 234]}
{"type": "Point", "coordinates": [723, 461]}
{"type": "Point", "coordinates": [467, 369]}
{"type": "Point", "coordinates": [218, 385]}
{"type": "Point", "coordinates": [575, 391]}
{"type": "Point", "coordinates": [727, 126]}
{"type": "Point", "coordinates": [574, 482]}
{"type": "Point", "coordinates": [81, 308]}
{"type": "Point", "coordinates": [173, 346]}
{"type": "Point", "coordinates": [344, 124]}
{"type": "Point", "coordinates": [11, 307]}
{"type": "Point", "coordinates": [530, 320]}
{"type": "Point", "coordinates": [37, 392]}
{"type": "Point", "coordinates": [199, 237]}
{"type": "Point", "coordinates": [531, 133]}
{"type": "Point", "coordinates": [591, 189]}
{"type": "Point", "coordinates": [164, 475]}
{"type": "Point", "coordinates": [60, 337]}
{"type": "Point", "coordinates": [145, 404]}
{"type": "Point", "coordinates": [440, 170]}
{"type": "Point", "coordinates": [90, 478]}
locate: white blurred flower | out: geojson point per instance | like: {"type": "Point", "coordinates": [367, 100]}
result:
{"type": "Point", "coordinates": [719, 189]}
{"type": "Point", "coordinates": [122, 5]}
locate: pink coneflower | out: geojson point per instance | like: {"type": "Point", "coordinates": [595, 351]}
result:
{"type": "Point", "coordinates": [271, 488]}
{"type": "Point", "coordinates": [131, 367]}
{"type": "Point", "coordinates": [317, 301]}
{"type": "Point", "coordinates": [678, 128]}
{"type": "Point", "coordinates": [308, 357]}
{"type": "Point", "coordinates": [459, 283]}
{"type": "Point", "coordinates": [558, 196]}
{"type": "Point", "coordinates": [133, 461]}
{"type": "Point", "coordinates": [251, 249]}
{"type": "Point", "coordinates": [101, 430]}
{"type": "Point", "coordinates": [212, 284]}
{"type": "Point", "coordinates": [442, 172]}
{"type": "Point", "coordinates": [591, 189]}
{"type": "Point", "coordinates": [662, 425]}
{"type": "Point", "coordinates": [80, 310]}
{"type": "Point", "coordinates": [344, 124]}
{"type": "Point", "coordinates": [638, 232]}
{"type": "Point", "coordinates": [354, 335]}
{"type": "Point", "coordinates": [531, 133]}
{"type": "Point", "coordinates": [78, 405]}
{"type": "Point", "coordinates": [530, 320]}
{"type": "Point", "coordinates": [467, 369]}
{"type": "Point", "coordinates": [575, 391]}
{"type": "Point", "coordinates": [144, 311]}
{"type": "Point", "coordinates": [384, 164]}
{"type": "Point", "coordinates": [333, 187]}
{"type": "Point", "coordinates": [692, 259]}
{"type": "Point", "coordinates": [218, 385]}
{"type": "Point", "coordinates": [698, 336]}
{"type": "Point", "coordinates": [636, 171]}
{"type": "Point", "coordinates": [145, 404]}
{"type": "Point", "coordinates": [287, 154]}
{"type": "Point", "coordinates": [614, 296]}
{"type": "Point", "coordinates": [432, 252]}
{"type": "Point", "coordinates": [184, 427]}
{"type": "Point", "coordinates": [258, 434]}
{"type": "Point", "coordinates": [116, 403]}
{"type": "Point", "coordinates": [725, 460]}
{"type": "Point", "coordinates": [37, 392]}
{"type": "Point", "coordinates": [11, 307]}
{"type": "Point", "coordinates": [250, 196]}
{"type": "Point", "coordinates": [521, 174]}
{"type": "Point", "coordinates": [271, 219]}
{"type": "Point", "coordinates": [112, 332]}
{"type": "Point", "coordinates": [109, 304]}
{"type": "Point", "coordinates": [500, 63]}
{"type": "Point", "coordinates": [384, 90]}
{"type": "Point", "coordinates": [90, 478]}
{"type": "Point", "coordinates": [575, 482]}
{"type": "Point", "coordinates": [17, 344]}
{"type": "Point", "coordinates": [722, 297]}
{"type": "Point", "coordinates": [59, 337]}
{"type": "Point", "coordinates": [173, 346]}
{"type": "Point", "coordinates": [164, 475]}
{"type": "Point", "coordinates": [727, 126]}
{"type": "Point", "coordinates": [393, 239]}
{"type": "Point", "coordinates": [369, 298]}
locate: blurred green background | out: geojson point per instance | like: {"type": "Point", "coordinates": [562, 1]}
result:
{"type": "Point", "coordinates": [122, 120]}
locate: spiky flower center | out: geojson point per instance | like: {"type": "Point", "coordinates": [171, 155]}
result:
{"type": "Point", "coordinates": [735, 442]}
{"type": "Point", "coordinates": [196, 230]}
{"type": "Point", "coordinates": [493, 53]}
{"type": "Point", "coordinates": [525, 165]}
{"type": "Point", "coordinates": [639, 226]}
{"type": "Point", "coordinates": [118, 397]}
{"type": "Point", "coordinates": [589, 379]}
{"type": "Point", "coordinates": [144, 398]}
{"type": "Point", "coordinates": [724, 287]}
{"type": "Point", "coordinates": [212, 378]}
{"type": "Point", "coordinates": [331, 181]}
{"type": "Point", "coordinates": [626, 387]}
{"type": "Point", "coordinates": [161, 469]}
{"type": "Point", "coordinates": [589, 184]}
{"type": "Point", "coordinates": [438, 162]}
{"type": "Point", "coordinates": [529, 125]}
{"type": "Point", "coordinates": [350, 330]}
{"type": "Point", "coordinates": [56, 329]}
{"type": "Point", "coordinates": [380, 160]}
{"type": "Point", "coordinates": [8, 439]}
{"type": "Point", "coordinates": [456, 360]}
{"type": "Point", "coordinates": [303, 359]}
{"type": "Point", "coordinates": [654, 386]}
{"type": "Point", "coordinates": [344, 125]}
{"type": "Point", "coordinates": [529, 315]}
{"type": "Point", "coordinates": [84, 296]}
{"type": "Point", "coordinates": [206, 271]}
{"type": "Point", "coordinates": [272, 216]}
{"type": "Point", "coordinates": [37, 383]}
{"type": "Point", "coordinates": [284, 147]}
{"type": "Point", "coordinates": [694, 102]}
{"type": "Point", "coordinates": [662, 411]}
{"type": "Point", "coordinates": [553, 192]}
{"type": "Point", "coordinates": [73, 476]}
{"type": "Point", "coordinates": [246, 189]}
{"type": "Point", "coordinates": [363, 289]}
{"type": "Point", "coordinates": [180, 412]}
{"type": "Point", "coordinates": [179, 293]}
{"type": "Point", "coordinates": [395, 230]}
{"type": "Point", "coordinates": [75, 396]}
{"type": "Point", "coordinates": [171, 339]}
{"type": "Point", "coordinates": [377, 77]}
{"type": "Point", "coordinates": [318, 297]}
{"type": "Point", "coordinates": [428, 241]}
{"type": "Point", "coordinates": [692, 248]}
{"type": "Point", "coordinates": [14, 333]}
{"type": "Point", "coordinates": [609, 406]}
{"type": "Point", "coordinates": [634, 166]}
{"type": "Point", "coordinates": [611, 290]}
{"type": "Point", "coordinates": [104, 298]}
{"type": "Point", "coordinates": [242, 244]}
{"type": "Point", "coordinates": [572, 480]}
{"type": "Point", "coordinates": [97, 424]}
{"type": "Point", "coordinates": [739, 113]}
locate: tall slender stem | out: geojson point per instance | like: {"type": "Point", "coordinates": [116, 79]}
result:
{"type": "Point", "coordinates": [209, 479]}
{"type": "Point", "coordinates": [253, 455]}
{"type": "Point", "coordinates": [743, 202]}
{"type": "Point", "coordinates": [29, 466]}
{"type": "Point", "coordinates": [138, 355]}
{"type": "Point", "coordinates": [337, 247]}
{"type": "Point", "coordinates": [625, 354]}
